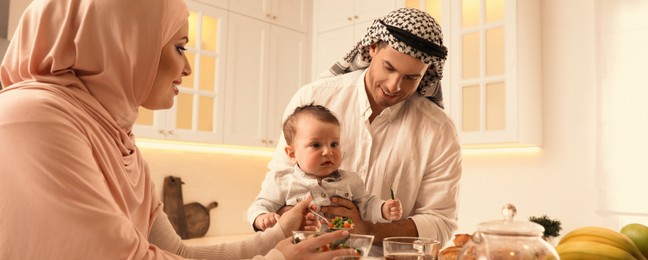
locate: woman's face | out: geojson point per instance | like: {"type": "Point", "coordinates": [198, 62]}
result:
{"type": "Point", "coordinates": [173, 66]}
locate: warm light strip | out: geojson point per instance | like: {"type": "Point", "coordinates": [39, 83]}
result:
{"type": "Point", "coordinates": [501, 151]}
{"type": "Point", "coordinates": [176, 146]}
{"type": "Point", "coordinates": [267, 152]}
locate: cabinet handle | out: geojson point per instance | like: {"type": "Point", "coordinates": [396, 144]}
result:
{"type": "Point", "coordinates": [171, 132]}
{"type": "Point", "coordinates": [355, 17]}
{"type": "Point", "coordinates": [268, 15]}
{"type": "Point", "coordinates": [274, 17]}
{"type": "Point", "coordinates": [264, 141]}
{"type": "Point", "coordinates": [270, 142]}
{"type": "Point", "coordinates": [349, 18]}
{"type": "Point", "coordinates": [162, 131]}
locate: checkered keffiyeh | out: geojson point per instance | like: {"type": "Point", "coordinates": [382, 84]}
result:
{"type": "Point", "coordinates": [410, 31]}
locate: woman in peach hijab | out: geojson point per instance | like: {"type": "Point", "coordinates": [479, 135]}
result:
{"type": "Point", "coordinates": [73, 184]}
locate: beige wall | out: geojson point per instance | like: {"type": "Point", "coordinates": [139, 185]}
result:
{"type": "Point", "coordinates": [232, 180]}
{"type": "Point", "coordinates": [623, 126]}
{"type": "Point", "coordinates": [559, 181]}
{"type": "Point", "coordinates": [592, 168]}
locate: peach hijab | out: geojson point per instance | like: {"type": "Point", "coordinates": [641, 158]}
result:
{"type": "Point", "coordinates": [73, 184]}
{"type": "Point", "coordinates": [108, 48]}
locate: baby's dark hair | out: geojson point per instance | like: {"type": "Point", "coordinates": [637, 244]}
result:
{"type": "Point", "coordinates": [320, 113]}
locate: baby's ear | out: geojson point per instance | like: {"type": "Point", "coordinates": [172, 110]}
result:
{"type": "Point", "coordinates": [290, 152]}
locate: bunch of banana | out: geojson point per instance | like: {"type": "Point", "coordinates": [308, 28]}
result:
{"type": "Point", "coordinates": [597, 243]}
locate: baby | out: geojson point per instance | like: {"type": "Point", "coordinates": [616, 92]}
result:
{"type": "Point", "coordinates": [312, 136]}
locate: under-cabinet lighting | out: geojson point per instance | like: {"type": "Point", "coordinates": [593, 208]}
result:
{"type": "Point", "coordinates": [501, 151]}
{"type": "Point", "coordinates": [177, 146]}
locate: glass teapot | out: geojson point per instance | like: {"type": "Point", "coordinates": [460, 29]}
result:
{"type": "Point", "coordinates": [508, 239]}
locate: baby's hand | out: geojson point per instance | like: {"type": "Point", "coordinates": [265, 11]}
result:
{"type": "Point", "coordinates": [392, 210]}
{"type": "Point", "coordinates": [267, 220]}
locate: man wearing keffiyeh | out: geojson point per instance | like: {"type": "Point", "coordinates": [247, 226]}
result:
{"type": "Point", "coordinates": [386, 92]}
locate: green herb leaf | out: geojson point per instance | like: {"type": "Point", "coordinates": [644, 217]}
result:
{"type": "Point", "coordinates": [552, 227]}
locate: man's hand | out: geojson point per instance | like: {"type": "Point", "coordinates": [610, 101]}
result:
{"type": "Point", "coordinates": [267, 220]}
{"type": "Point", "coordinates": [346, 208]}
{"type": "Point", "coordinates": [392, 210]}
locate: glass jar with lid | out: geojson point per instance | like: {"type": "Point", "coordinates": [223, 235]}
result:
{"type": "Point", "coordinates": [508, 239]}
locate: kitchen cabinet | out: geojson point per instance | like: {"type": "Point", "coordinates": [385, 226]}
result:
{"type": "Point", "coordinates": [267, 66]}
{"type": "Point", "coordinates": [197, 113]}
{"type": "Point", "coordinates": [335, 14]}
{"type": "Point", "coordinates": [339, 29]}
{"type": "Point", "coordinates": [246, 68]}
{"type": "Point", "coordinates": [293, 14]}
{"type": "Point", "coordinates": [222, 4]}
{"type": "Point", "coordinates": [495, 59]}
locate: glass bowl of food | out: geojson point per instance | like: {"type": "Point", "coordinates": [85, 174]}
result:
{"type": "Point", "coordinates": [361, 243]}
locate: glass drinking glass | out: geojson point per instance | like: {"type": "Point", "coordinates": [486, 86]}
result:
{"type": "Point", "coordinates": [410, 248]}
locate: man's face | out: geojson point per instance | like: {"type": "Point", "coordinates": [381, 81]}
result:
{"type": "Point", "coordinates": [392, 76]}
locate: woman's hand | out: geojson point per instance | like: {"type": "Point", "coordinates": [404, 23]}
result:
{"type": "Point", "coordinates": [283, 209]}
{"type": "Point", "coordinates": [296, 217]}
{"type": "Point", "coordinates": [308, 249]}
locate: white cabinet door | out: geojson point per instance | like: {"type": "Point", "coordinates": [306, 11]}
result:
{"type": "Point", "coordinates": [496, 69]}
{"type": "Point", "coordinates": [197, 113]}
{"type": "Point", "coordinates": [360, 30]}
{"type": "Point", "coordinates": [289, 71]}
{"type": "Point", "coordinates": [333, 14]}
{"type": "Point", "coordinates": [224, 4]}
{"type": "Point", "coordinates": [260, 9]}
{"type": "Point", "coordinates": [266, 68]}
{"type": "Point", "coordinates": [369, 10]}
{"type": "Point", "coordinates": [293, 14]}
{"type": "Point", "coordinates": [247, 77]}
{"type": "Point", "coordinates": [331, 47]}
{"type": "Point", "coordinates": [330, 14]}
{"type": "Point", "coordinates": [339, 29]}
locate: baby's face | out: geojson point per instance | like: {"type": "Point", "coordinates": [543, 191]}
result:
{"type": "Point", "coordinates": [316, 146]}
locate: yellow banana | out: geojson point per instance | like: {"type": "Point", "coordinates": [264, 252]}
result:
{"type": "Point", "coordinates": [604, 236]}
{"type": "Point", "coordinates": [581, 249]}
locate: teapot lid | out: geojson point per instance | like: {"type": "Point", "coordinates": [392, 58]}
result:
{"type": "Point", "coordinates": [509, 226]}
